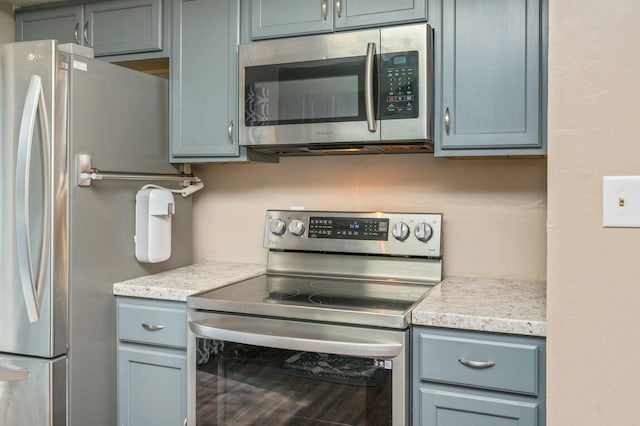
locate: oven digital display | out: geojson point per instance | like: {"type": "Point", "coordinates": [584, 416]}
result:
{"type": "Point", "coordinates": [345, 228]}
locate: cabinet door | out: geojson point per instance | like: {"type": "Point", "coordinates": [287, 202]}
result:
{"type": "Point", "coordinates": [204, 79]}
{"type": "Point", "coordinates": [152, 386]}
{"type": "Point", "coordinates": [365, 13]}
{"type": "Point", "coordinates": [491, 77]}
{"type": "Point", "coordinates": [64, 24]}
{"type": "Point", "coordinates": [279, 18]}
{"type": "Point", "coordinates": [124, 26]}
{"type": "Point", "coordinates": [443, 408]}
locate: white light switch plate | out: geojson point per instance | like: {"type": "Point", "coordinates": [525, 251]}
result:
{"type": "Point", "coordinates": [621, 201]}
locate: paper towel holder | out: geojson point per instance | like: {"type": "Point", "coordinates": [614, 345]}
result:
{"type": "Point", "coordinates": [154, 209]}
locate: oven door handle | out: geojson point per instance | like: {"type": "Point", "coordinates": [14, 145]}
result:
{"type": "Point", "coordinates": [263, 335]}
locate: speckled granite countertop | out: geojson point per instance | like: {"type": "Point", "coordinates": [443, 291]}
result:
{"type": "Point", "coordinates": [177, 284]}
{"type": "Point", "coordinates": [484, 304]}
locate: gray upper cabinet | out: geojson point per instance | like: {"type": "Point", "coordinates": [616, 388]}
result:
{"type": "Point", "coordinates": [64, 24]}
{"type": "Point", "coordinates": [276, 18]}
{"type": "Point", "coordinates": [493, 78]}
{"type": "Point", "coordinates": [118, 30]}
{"type": "Point", "coordinates": [204, 106]}
{"type": "Point", "coordinates": [282, 18]}
{"type": "Point", "coordinates": [365, 13]}
{"type": "Point", "coordinates": [123, 26]}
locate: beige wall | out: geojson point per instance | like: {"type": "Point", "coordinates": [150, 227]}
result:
{"type": "Point", "coordinates": [7, 29]}
{"type": "Point", "coordinates": [593, 273]}
{"type": "Point", "coordinates": [494, 210]}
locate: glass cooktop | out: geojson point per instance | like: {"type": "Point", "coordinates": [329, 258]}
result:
{"type": "Point", "coordinates": [369, 303]}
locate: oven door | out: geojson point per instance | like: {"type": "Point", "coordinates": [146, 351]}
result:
{"type": "Point", "coordinates": [251, 370]}
{"type": "Point", "coordinates": [305, 90]}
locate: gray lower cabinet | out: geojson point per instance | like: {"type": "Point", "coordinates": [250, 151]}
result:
{"type": "Point", "coordinates": [204, 82]}
{"type": "Point", "coordinates": [152, 362]}
{"type": "Point", "coordinates": [493, 78]}
{"type": "Point", "coordinates": [282, 18]}
{"type": "Point", "coordinates": [442, 407]}
{"type": "Point", "coordinates": [475, 378]}
{"type": "Point", "coordinates": [117, 30]}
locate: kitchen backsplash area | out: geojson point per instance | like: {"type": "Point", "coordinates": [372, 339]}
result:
{"type": "Point", "coordinates": [494, 209]}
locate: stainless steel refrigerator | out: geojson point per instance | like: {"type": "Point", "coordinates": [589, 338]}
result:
{"type": "Point", "coordinates": [61, 245]}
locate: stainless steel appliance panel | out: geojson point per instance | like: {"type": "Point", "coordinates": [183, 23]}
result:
{"type": "Point", "coordinates": [63, 246]}
{"type": "Point", "coordinates": [384, 244]}
{"type": "Point", "coordinates": [32, 391]}
{"type": "Point", "coordinates": [411, 38]}
{"type": "Point", "coordinates": [331, 300]}
{"type": "Point", "coordinates": [310, 338]}
{"type": "Point", "coordinates": [341, 283]}
{"type": "Point", "coordinates": [32, 238]}
{"type": "Point", "coordinates": [311, 48]}
{"type": "Point", "coordinates": [120, 118]}
{"type": "Point", "coordinates": [365, 91]}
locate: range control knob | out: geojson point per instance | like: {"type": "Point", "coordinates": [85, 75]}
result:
{"type": "Point", "coordinates": [400, 231]}
{"type": "Point", "coordinates": [296, 227]}
{"type": "Point", "coordinates": [277, 226]}
{"type": "Point", "coordinates": [423, 232]}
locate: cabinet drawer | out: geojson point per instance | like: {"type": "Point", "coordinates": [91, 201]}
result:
{"type": "Point", "coordinates": [505, 363]}
{"type": "Point", "coordinates": [152, 322]}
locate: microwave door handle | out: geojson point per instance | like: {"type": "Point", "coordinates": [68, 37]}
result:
{"type": "Point", "coordinates": [368, 86]}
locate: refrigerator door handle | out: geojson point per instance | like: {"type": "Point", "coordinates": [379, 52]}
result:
{"type": "Point", "coordinates": [14, 375]}
{"type": "Point", "coordinates": [32, 290]}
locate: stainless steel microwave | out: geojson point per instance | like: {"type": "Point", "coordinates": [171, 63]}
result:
{"type": "Point", "coordinates": [351, 92]}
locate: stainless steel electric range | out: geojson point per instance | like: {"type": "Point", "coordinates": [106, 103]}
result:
{"type": "Point", "coordinates": [323, 336]}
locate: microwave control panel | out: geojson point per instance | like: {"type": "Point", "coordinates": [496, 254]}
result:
{"type": "Point", "coordinates": [399, 85]}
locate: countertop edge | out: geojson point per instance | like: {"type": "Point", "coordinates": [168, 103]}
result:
{"type": "Point", "coordinates": [485, 324]}
{"type": "Point", "coordinates": [180, 283]}
{"type": "Point", "coordinates": [485, 304]}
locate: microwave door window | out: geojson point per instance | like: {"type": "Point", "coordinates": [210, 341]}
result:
{"type": "Point", "coordinates": [317, 99]}
{"type": "Point", "coordinates": [305, 92]}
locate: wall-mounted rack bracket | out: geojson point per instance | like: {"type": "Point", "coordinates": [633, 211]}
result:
{"type": "Point", "coordinates": [86, 174]}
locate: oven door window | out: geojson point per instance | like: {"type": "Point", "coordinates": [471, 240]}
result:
{"type": "Point", "coordinates": [324, 91]}
{"type": "Point", "coordinates": [239, 384]}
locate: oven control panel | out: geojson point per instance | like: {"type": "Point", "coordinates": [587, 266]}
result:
{"type": "Point", "coordinates": [349, 228]}
{"type": "Point", "coordinates": [400, 234]}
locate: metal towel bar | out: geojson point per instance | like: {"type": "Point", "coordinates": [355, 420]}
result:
{"type": "Point", "coordinates": [87, 174]}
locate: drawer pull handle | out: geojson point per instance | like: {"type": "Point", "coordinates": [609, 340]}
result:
{"type": "Point", "coordinates": [152, 327]}
{"type": "Point", "coordinates": [476, 364]}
